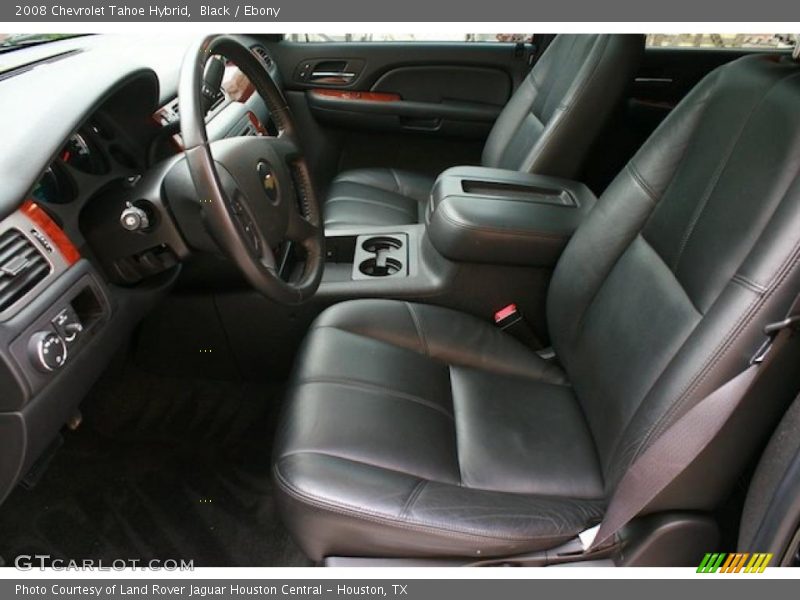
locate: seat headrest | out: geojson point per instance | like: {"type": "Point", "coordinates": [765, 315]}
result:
{"type": "Point", "coordinates": [796, 51]}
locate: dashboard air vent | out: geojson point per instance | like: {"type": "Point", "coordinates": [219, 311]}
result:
{"type": "Point", "coordinates": [262, 53]}
{"type": "Point", "coordinates": [22, 266]}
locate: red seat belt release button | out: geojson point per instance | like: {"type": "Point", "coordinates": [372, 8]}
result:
{"type": "Point", "coordinates": [507, 316]}
{"type": "Point", "coordinates": [511, 320]}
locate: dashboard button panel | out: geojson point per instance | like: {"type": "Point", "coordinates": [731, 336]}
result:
{"type": "Point", "coordinates": [48, 344]}
{"type": "Point", "coordinates": [47, 351]}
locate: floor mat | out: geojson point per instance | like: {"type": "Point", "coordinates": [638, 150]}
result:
{"type": "Point", "coordinates": [161, 469]}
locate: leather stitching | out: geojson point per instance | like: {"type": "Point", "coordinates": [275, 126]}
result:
{"type": "Point", "coordinates": [305, 193]}
{"type": "Point", "coordinates": [748, 283]}
{"type": "Point", "coordinates": [350, 460]}
{"type": "Point", "coordinates": [789, 264]}
{"type": "Point", "coordinates": [597, 54]}
{"type": "Point", "coordinates": [641, 182]}
{"type": "Point", "coordinates": [369, 201]}
{"type": "Point", "coordinates": [371, 387]}
{"type": "Point", "coordinates": [418, 326]}
{"type": "Point", "coordinates": [698, 110]}
{"type": "Point", "coordinates": [412, 498]}
{"type": "Point", "coordinates": [765, 292]}
{"type": "Point", "coordinates": [544, 373]}
{"type": "Point", "coordinates": [555, 237]}
{"type": "Point", "coordinates": [455, 425]}
{"type": "Point", "coordinates": [581, 320]}
{"type": "Point", "coordinates": [560, 117]}
{"type": "Point", "coordinates": [714, 180]}
{"type": "Point", "coordinates": [504, 149]}
{"type": "Point", "coordinates": [547, 90]}
{"type": "Point", "coordinates": [397, 182]}
{"type": "Point", "coordinates": [701, 106]}
{"type": "Point", "coordinates": [422, 526]}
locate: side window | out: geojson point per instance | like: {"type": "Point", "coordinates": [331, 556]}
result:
{"type": "Point", "coordinates": [409, 37]}
{"type": "Point", "coordinates": [722, 40]}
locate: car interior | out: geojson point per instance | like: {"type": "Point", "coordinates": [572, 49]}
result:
{"type": "Point", "coordinates": [522, 301]}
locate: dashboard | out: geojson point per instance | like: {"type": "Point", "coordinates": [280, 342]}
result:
{"type": "Point", "coordinates": [90, 129]}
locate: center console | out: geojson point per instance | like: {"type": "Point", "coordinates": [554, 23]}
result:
{"type": "Point", "coordinates": [382, 261]}
{"type": "Point", "coordinates": [495, 216]}
{"type": "Point", "coordinates": [480, 223]}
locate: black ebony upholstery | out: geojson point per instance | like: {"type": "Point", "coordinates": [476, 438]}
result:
{"type": "Point", "coordinates": [412, 430]}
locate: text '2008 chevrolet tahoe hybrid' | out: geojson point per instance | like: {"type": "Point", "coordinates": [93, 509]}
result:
{"type": "Point", "coordinates": [504, 300]}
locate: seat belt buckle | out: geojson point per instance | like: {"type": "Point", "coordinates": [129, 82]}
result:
{"type": "Point", "coordinates": [511, 320]}
{"type": "Point", "coordinates": [771, 331]}
{"type": "Point", "coordinates": [507, 316]}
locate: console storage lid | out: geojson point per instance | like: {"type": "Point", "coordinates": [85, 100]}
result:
{"type": "Point", "coordinates": [484, 215]}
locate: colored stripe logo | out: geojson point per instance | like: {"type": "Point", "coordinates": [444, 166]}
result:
{"type": "Point", "coordinates": [740, 562]}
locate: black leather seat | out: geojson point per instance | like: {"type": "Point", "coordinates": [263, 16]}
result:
{"type": "Point", "coordinates": [412, 430]}
{"type": "Point", "coordinates": [547, 127]}
{"type": "Point", "coordinates": [377, 197]}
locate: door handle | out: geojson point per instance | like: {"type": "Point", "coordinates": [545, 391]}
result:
{"type": "Point", "coordinates": [333, 74]}
{"type": "Point", "coordinates": [340, 77]}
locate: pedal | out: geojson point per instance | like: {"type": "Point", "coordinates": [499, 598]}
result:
{"type": "Point", "coordinates": [37, 471]}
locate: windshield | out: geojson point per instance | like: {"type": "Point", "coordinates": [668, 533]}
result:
{"type": "Point", "coordinates": [14, 41]}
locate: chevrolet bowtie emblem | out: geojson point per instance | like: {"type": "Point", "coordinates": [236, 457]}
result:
{"type": "Point", "coordinates": [267, 181]}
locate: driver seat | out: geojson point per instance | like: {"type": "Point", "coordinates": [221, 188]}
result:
{"type": "Point", "coordinates": [418, 431]}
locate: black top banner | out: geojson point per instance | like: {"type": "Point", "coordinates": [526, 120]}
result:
{"type": "Point", "coordinates": [474, 11]}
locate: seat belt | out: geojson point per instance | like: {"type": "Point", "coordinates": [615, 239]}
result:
{"type": "Point", "coordinates": [675, 449]}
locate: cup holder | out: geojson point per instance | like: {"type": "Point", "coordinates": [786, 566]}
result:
{"type": "Point", "coordinates": [375, 244]}
{"type": "Point", "coordinates": [381, 256]}
{"type": "Point", "coordinates": [380, 266]}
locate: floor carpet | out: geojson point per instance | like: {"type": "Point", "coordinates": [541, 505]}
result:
{"type": "Point", "coordinates": [161, 468]}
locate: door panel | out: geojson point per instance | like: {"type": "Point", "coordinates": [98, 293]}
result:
{"type": "Point", "coordinates": [396, 113]}
{"type": "Point", "coordinates": [452, 101]}
{"type": "Point", "coordinates": [410, 105]}
{"type": "Point", "coordinates": [481, 85]}
{"type": "Point", "coordinates": [370, 61]}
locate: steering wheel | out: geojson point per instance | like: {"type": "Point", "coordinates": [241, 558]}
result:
{"type": "Point", "coordinates": [256, 193]}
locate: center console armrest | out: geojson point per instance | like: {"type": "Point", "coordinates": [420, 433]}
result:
{"type": "Point", "coordinates": [485, 215]}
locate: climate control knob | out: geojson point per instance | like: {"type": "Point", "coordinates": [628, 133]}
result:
{"type": "Point", "coordinates": [48, 352]}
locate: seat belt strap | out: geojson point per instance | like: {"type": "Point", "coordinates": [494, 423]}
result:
{"type": "Point", "coordinates": [675, 449]}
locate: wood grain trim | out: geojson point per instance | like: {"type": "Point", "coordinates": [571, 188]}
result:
{"type": "Point", "coordinates": [254, 120]}
{"type": "Point", "coordinates": [356, 95]}
{"type": "Point", "coordinates": [51, 229]}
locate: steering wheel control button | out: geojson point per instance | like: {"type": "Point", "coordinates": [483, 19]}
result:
{"type": "Point", "coordinates": [242, 218]}
{"type": "Point", "coordinates": [48, 352]}
{"type": "Point", "coordinates": [251, 235]}
{"type": "Point", "coordinates": [267, 181]}
{"type": "Point", "coordinates": [134, 218]}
